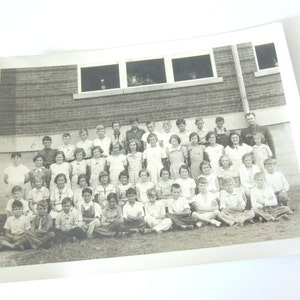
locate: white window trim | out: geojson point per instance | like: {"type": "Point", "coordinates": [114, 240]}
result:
{"type": "Point", "coordinates": [266, 72]}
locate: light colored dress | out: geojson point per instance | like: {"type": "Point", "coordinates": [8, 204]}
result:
{"type": "Point", "coordinates": [236, 154]}
{"type": "Point", "coordinates": [154, 156]}
{"type": "Point", "coordinates": [214, 153]}
{"type": "Point", "coordinates": [116, 166]}
{"type": "Point", "coordinates": [261, 153]}
{"type": "Point", "coordinates": [134, 166]}
{"type": "Point", "coordinates": [56, 169]}
{"type": "Point", "coordinates": [176, 158]}
{"type": "Point", "coordinates": [78, 167]}
{"type": "Point", "coordinates": [96, 166]}
{"type": "Point", "coordinates": [196, 155]}
{"type": "Point", "coordinates": [142, 187]}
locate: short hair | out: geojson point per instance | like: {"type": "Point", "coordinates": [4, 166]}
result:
{"type": "Point", "coordinates": [130, 191]}
{"type": "Point", "coordinates": [16, 188]}
{"type": "Point", "coordinates": [79, 150]}
{"type": "Point", "coordinates": [123, 173]}
{"type": "Point", "coordinates": [151, 191]}
{"type": "Point", "coordinates": [133, 141]}
{"type": "Point", "coordinates": [37, 177]}
{"type": "Point", "coordinates": [103, 174]}
{"type": "Point", "coordinates": [145, 171]}
{"type": "Point", "coordinates": [180, 121]}
{"type": "Point", "coordinates": [66, 134]}
{"type": "Point", "coordinates": [222, 156]}
{"type": "Point", "coordinates": [38, 156]}
{"type": "Point", "coordinates": [132, 120]}
{"type": "Point", "coordinates": [198, 119]}
{"type": "Point", "coordinates": [150, 136]}
{"type": "Point", "coordinates": [227, 180]}
{"type": "Point", "coordinates": [251, 155]}
{"type": "Point", "coordinates": [175, 186]}
{"type": "Point", "coordinates": [250, 114]}
{"type": "Point", "coordinates": [176, 137]}
{"type": "Point", "coordinates": [112, 195]}
{"type": "Point", "coordinates": [163, 170]}
{"type": "Point", "coordinates": [259, 175]}
{"type": "Point", "coordinates": [66, 200]}
{"type": "Point", "coordinates": [42, 203]}
{"type": "Point", "coordinates": [17, 204]}
{"type": "Point", "coordinates": [80, 176]}
{"type": "Point", "coordinates": [97, 147]}
{"type": "Point", "coordinates": [204, 163]}
{"type": "Point", "coordinates": [47, 138]}
{"type": "Point", "coordinates": [15, 154]}
{"type": "Point", "coordinates": [60, 175]}
{"type": "Point", "coordinates": [183, 167]}
{"type": "Point", "coordinates": [269, 161]}
{"type": "Point", "coordinates": [263, 139]}
{"type": "Point", "coordinates": [114, 144]}
{"type": "Point", "coordinates": [194, 134]}
{"type": "Point", "coordinates": [230, 144]}
{"type": "Point", "coordinates": [83, 130]}
{"type": "Point", "coordinates": [209, 134]}
{"type": "Point", "coordinates": [87, 190]}
{"type": "Point", "coordinates": [60, 153]}
{"type": "Point", "coordinates": [149, 122]}
{"type": "Point", "coordinates": [167, 122]}
{"type": "Point", "coordinates": [219, 119]}
{"type": "Point", "coordinates": [100, 126]}
{"type": "Point", "coordinates": [115, 122]}
{"type": "Point", "coordinates": [202, 180]}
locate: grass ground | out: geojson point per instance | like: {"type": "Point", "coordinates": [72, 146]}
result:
{"type": "Point", "coordinates": [205, 237]}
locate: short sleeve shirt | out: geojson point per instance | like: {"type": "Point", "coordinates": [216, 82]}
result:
{"type": "Point", "coordinates": [24, 202]}
{"type": "Point", "coordinates": [178, 206]}
{"type": "Point", "coordinates": [17, 226]}
{"type": "Point", "coordinates": [16, 174]}
{"type": "Point", "coordinates": [133, 210]}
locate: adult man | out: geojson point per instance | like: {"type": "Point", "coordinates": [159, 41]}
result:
{"type": "Point", "coordinates": [135, 133]}
{"type": "Point", "coordinates": [248, 133]}
{"type": "Point", "coordinates": [117, 135]}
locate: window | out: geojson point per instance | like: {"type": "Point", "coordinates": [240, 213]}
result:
{"type": "Point", "coordinates": [100, 78]}
{"type": "Point", "coordinates": [266, 56]}
{"type": "Point", "coordinates": [145, 72]}
{"type": "Point", "coordinates": [189, 68]}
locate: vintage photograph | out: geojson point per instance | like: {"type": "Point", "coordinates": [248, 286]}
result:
{"type": "Point", "coordinates": [146, 149]}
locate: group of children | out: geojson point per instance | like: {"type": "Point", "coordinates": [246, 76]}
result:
{"type": "Point", "coordinates": [141, 182]}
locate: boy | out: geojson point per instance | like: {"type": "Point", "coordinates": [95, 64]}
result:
{"type": "Point", "coordinates": [67, 223]}
{"type": "Point", "coordinates": [166, 134]}
{"type": "Point", "coordinates": [183, 133]}
{"type": "Point", "coordinates": [67, 148]}
{"type": "Point", "coordinates": [205, 204]}
{"type": "Point", "coordinates": [17, 193]}
{"type": "Point", "coordinates": [135, 133]}
{"type": "Point", "coordinates": [48, 153]}
{"type": "Point", "coordinates": [264, 202]}
{"type": "Point", "coordinates": [232, 205]}
{"type": "Point", "coordinates": [179, 210]}
{"type": "Point", "coordinates": [84, 143]}
{"type": "Point", "coordinates": [276, 181]}
{"type": "Point", "coordinates": [133, 214]}
{"type": "Point", "coordinates": [117, 135]}
{"type": "Point", "coordinates": [15, 174]}
{"type": "Point", "coordinates": [151, 129]}
{"type": "Point", "coordinates": [202, 132]}
{"type": "Point", "coordinates": [156, 214]}
{"type": "Point", "coordinates": [102, 140]}
{"type": "Point", "coordinates": [15, 227]}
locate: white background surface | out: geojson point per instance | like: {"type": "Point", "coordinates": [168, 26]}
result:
{"type": "Point", "coordinates": [43, 27]}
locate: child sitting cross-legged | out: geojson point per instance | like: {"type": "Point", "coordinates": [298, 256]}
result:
{"type": "Point", "coordinates": [15, 227]}
{"type": "Point", "coordinates": [264, 202]}
{"type": "Point", "coordinates": [179, 210]}
{"type": "Point", "coordinates": [205, 205]}
{"type": "Point", "coordinates": [111, 218]}
{"type": "Point", "coordinates": [232, 205]}
{"type": "Point", "coordinates": [67, 227]}
{"type": "Point", "coordinates": [156, 214]}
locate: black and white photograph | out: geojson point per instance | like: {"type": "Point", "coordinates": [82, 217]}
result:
{"type": "Point", "coordinates": [146, 149]}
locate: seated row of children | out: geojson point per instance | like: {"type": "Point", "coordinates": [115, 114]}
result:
{"type": "Point", "coordinates": [89, 218]}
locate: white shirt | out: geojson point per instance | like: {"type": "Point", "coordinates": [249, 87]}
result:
{"type": "Point", "coordinates": [104, 144]}
{"type": "Point", "coordinates": [17, 226]}
{"type": "Point", "coordinates": [24, 202]}
{"type": "Point", "coordinates": [145, 136]}
{"type": "Point", "coordinates": [277, 181]}
{"type": "Point", "coordinates": [133, 210]}
{"type": "Point", "coordinates": [68, 150]}
{"type": "Point", "coordinates": [87, 146]}
{"type": "Point", "coordinates": [247, 175]}
{"type": "Point", "coordinates": [16, 174]}
{"type": "Point", "coordinates": [178, 206]}
{"type": "Point", "coordinates": [155, 210]}
{"type": "Point", "coordinates": [263, 197]}
{"type": "Point", "coordinates": [186, 186]}
{"type": "Point", "coordinates": [202, 201]}
{"type": "Point", "coordinates": [233, 199]}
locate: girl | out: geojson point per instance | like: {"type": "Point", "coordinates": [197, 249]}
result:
{"type": "Point", "coordinates": [186, 183]}
{"type": "Point", "coordinates": [82, 183]}
{"type": "Point", "coordinates": [195, 155]}
{"type": "Point", "coordinates": [212, 180]}
{"type": "Point", "coordinates": [226, 170]}
{"type": "Point", "coordinates": [60, 192]}
{"type": "Point", "coordinates": [154, 158]}
{"type": "Point", "coordinates": [214, 151]}
{"type": "Point", "coordinates": [135, 162]}
{"type": "Point", "coordinates": [95, 166]}
{"type": "Point", "coordinates": [111, 217]}
{"type": "Point", "coordinates": [236, 149]}
{"type": "Point", "coordinates": [143, 186]}
{"type": "Point", "coordinates": [247, 171]}
{"type": "Point", "coordinates": [164, 186]}
{"type": "Point", "coordinates": [123, 187]}
{"type": "Point", "coordinates": [221, 132]}
{"type": "Point", "coordinates": [40, 171]}
{"type": "Point", "coordinates": [177, 155]}
{"type": "Point", "coordinates": [79, 166]}
{"type": "Point", "coordinates": [116, 163]}
{"type": "Point", "coordinates": [60, 167]}
{"type": "Point", "coordinates": [103, 189]}
{"type": "Point", "coordinates": [261, 151]}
